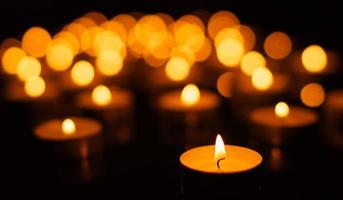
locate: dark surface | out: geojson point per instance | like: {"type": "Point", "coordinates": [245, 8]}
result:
{"type": "Point", "coordinates": [146, 168]}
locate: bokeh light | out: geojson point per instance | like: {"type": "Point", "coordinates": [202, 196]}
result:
{"type": "Point", "coordinates": [59, 57]}
{"type": "Point", "coordinates": [230, 52]}
{"type": "Point", "coordinates": [177, 69]}
{"type": "Point", "coordinates": [278, 45]}
{"type": "Point", "coordinates": [262, 78]}
{"type": "Point", "coordinates": [109, 62]}
{"type": "Point", "coordinates": [36, 42]}
{"type": "Point", "coordinates": [82, 73]}
{"type": "Point", "coordinates": [10, 59]}
{"type": "Point", "coordinates": [190, 95]}
{"type": "Point", "coordinates": [314, 59]}
{"type": "Point", "coordinates": [312, 95]}
{"type": "Point", "coordinates": [281, 110]}
{"type": "Point", "coordinates": [101, 95]}
{"type": "Point", "coordinates": [252, 60]}
{"type": "Point", "coordinates": [219, 21]}
{"type": "Point", "coordinates": [34, 86]}
{"type": "Point", "coordinates": [225, 83]}
{"type": "Point", "coordinates": [28, 67]}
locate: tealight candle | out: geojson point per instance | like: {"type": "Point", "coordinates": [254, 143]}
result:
{"type": "Point", "coordinates": [182, 112]}
{"type": "Point", "coordinates": [333, 115]}
{"type": "Point", "coordinates": [72, 138]}
{"type": "Point", "coordinates": [209, 169]}
{"type": "Point", "coordinates": [113, 107]}
{"type": "Point", "coordinates": [275, 125]}
{"type": "Point", "coordinates": [261, 89]}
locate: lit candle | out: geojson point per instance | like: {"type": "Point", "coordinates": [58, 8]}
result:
{"type": "Point", "coordinates": [112, 106]}
{"type": "Point", "coordinates": [183, 113]}
{"type": "Point", "coordinates": [282, 122]}
{"type": "Point", "coordinates": [333, 116]}
{"type": "Point", "coordinates": [208, 169]}
{"type": "Point", "coordinates": [72, 138]}
{"type": "Point", "coordinates": [259, 89]}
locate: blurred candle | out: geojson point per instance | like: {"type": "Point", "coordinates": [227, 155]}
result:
{"type": "Point", "coordinates": [71, 138]}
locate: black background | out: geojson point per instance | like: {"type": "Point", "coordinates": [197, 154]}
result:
{"type": "Point", "coordinates": [156, 175]}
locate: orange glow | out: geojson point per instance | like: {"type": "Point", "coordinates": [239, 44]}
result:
{"type": "Point", "coordinates": [166, 18]}
{"type": "Point", "coordinates": [262, 79]}
{"type": "Point", "coordinates": [190, 95]}
{"type": "Point", "coordinates": [228, 33]}
{"type": "Point", "coordinates": [60, 57]}
{"type": "Point", "coordinates": [28, 67]}
{"type": "Point", "coordinates": [82, 73]}
{"type": "Point", "coordinates": [189, 36]}
{"type": "Point", "coordinates": [70, 39]}
{"type": "Point", "coordinates": [204, 52]}
{"type": "Point", "coordinates": [278, 45]}
{"type": "Point", "coordinates": [117, 28]}
{"type": "Point", "coordinates": [109, 62]}
{"type": "Point", "coordinates": [154, 62]}
{"type": "Point", "coordinates": [86, 22]}
{"type": "Point", "coordinates": [219, 21]}
{"type": "Point", "coordinates": [126, 20]}
{"type": "Point", "coordinates": [224, 84]}
{"type": "Point", "coordinates": [230, 52]}
{"type": "Point", "coordinates": [36, 42]}
{"type": "Point", "coordinates": [107, 40]}
{"type": "Point", "coordinates": [192, 19]}
{"type": "Point", "coordinates": [68, 127]}
{"type": "Point", "coordinates": [314, 59]}
{"type": "Point", "coordinates": [219, 149]}
{"type": "Point", "coordinates": [281, 110]}
{"type": "Point", "coordinates": [34, 86]}
{"type": "Point", "coordinates": [97, 17]}
{"type": "Point", "coordinates": [87, 40]}
{"type": "Point", "coordinates": [11, 58]}
{"type": "Point", "coordinates": [248, 36]}
{"type": "Point", "coordinates": [312, 95]}
{"type": "Point", "coordinates": [252, 60]}
{"type": "Point", "coordinates": [177, 69]}
{"type": "Point", "coordinates": [101, 95]}
{"type": "Point", "coordinates": [77, 30]}
{"type": "Point", "coordinates": [185, 53]}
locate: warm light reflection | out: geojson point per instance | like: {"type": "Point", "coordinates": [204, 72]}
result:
{"type": "Point", "coordinates": [177, 69]}
{"type": "Point", "coordinates": [252, 60]}
{"type": "Point", "coordinates": [219, 21]}
{"type": "Point", "coordinates": [60, 57]}
{"type": "Point", "coordinates": [219, 149]}
{"type": "Point", "coordinates": [11, 58]}
{"type": "Point", "coordinates": [262, 78]}
{"type": "Point", "coordinates": [82, 73]}
{"type": "Point", "coordinates": [248, 36]}
{"type": "Point", "coordinates": [69, 39]}
{"type": "Point", "coordinates": [68, 127]}
{"type": "Point", "coordinates": [312, 95]}
{"type": "Point", "coordinates": [28, 67]}
{"type": "Point", "coordinates": [34, 86]}
{"type": "Point", "coordinates": [314, 59]}
{"type": "Point", "coordinates": [101, 95]}
{"type": "Point", "coordinates": [190, 95]}
{"type": "Point", "coordinates": [109, 62]}
{"type": "Point", "coordinates": [36, 42]}
{"type": "Point", "coordinates": [224, 84]}
{"type": "Point", "coordinates": [281, 109]}
{"type": "Point", "coordinates": [278, 45]}
{"type": "Point", "coordinates": [230, 52]}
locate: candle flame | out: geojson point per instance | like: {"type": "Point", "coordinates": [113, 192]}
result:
{"type": "Point", "coordinates": [219, 149]}
{"type": "Point", "coordinates": [190, 95]}
{"type": "Point", "coordinates": [101, 95]}
{"type": "Point", "coordinates": [68, 127]}
{"type": "Point", "coordinates": [281, 110]}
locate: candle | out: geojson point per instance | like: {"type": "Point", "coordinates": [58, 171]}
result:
{"type": "Point", "coordinates": [260, 89]}
{"type": "Point", "coordinates": [113, 107]}
{"type": "Point", "coordinates": [276, 124]}
{"type": "Point", "coordinates": [209, 169]}
{"type": "Point", "coordinates": [188, 117]}
{"type": "Point", "coordinates": [72, 138]}
{"type": "Point", "coordinates": [333, 115]}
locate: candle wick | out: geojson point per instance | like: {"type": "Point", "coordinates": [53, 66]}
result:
{"type": "Point", "coordinates": [218, 162]}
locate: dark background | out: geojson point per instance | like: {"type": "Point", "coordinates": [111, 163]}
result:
{"type": "Point", "coordinates": [152, 175]}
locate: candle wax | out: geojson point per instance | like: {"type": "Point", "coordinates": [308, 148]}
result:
{"type": "Point", "coordinates": [172, 102]}
{"type": "Point", "coordinates": [52, 130]}
{"type": "Point", "coordinates": [298, 117]}
{"type": "Point", "coordinates": [120, 99]}
{"type": "Point", "coordinates": [238, 159]}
